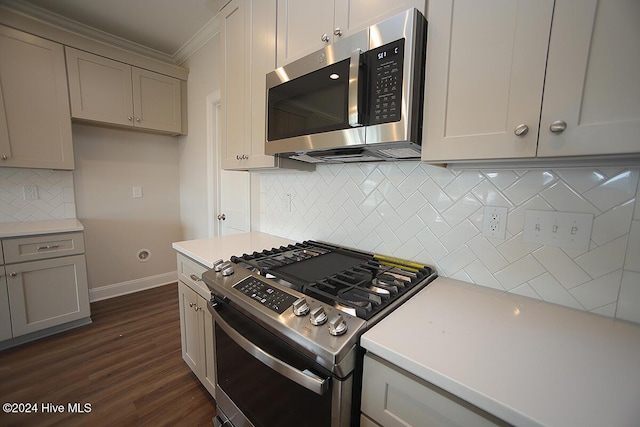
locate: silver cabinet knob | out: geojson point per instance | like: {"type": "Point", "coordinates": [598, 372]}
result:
{"type": "Point", "coordinates": [318, 316]}
{"type": "Point", "coordinates": [337, 325]}
{"type": "Point", "coordinates": [558, 126]}
{"type": "Point", "coordinates": [5, 157]}
{"type": "Point", "coordinates": [138, 119]}
{"type": "Point", "coordinates": [14, 274]}
{"type": "Point", "coordinates": [221, 217]}
{"type": "Point", "coordinates": [521, 130]}
{"type": "Point", "coordinates": [130, 118]}
{"type": "Point", "coordinates": [300, 307]}
{"type": "Point", "coordinates": [191, 304]}
{"type": "Point", "coordinates": [325, 38]}
{"type": "Point", "coordinates": [337, 32]}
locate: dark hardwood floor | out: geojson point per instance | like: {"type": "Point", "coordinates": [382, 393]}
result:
{"type": "Point", "coordinates": [127, 365]}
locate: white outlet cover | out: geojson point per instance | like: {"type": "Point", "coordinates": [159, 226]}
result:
{"type": "Point", "coordinates": [491, 227]}
{"type": "Point", "coordinates": [559, 229]}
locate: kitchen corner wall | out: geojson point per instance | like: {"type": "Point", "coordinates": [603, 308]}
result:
{"type": "Point", "coordinates": [434, 215]}
{"type": "Point", "coordinates": [55, 195]}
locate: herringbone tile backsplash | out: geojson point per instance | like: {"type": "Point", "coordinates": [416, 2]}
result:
{"type": "Point", "coordinates": [55, 195]}
{"type": "Point", "coordinates": [434, 215]}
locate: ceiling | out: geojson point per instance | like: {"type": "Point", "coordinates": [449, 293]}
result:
{"type": "Point", "coordinates": [162, 26]}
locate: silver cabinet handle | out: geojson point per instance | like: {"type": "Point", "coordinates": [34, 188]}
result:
{"type": "Point", "coordinates": [195, 278]}
{"type": "Point", "coordinates": [521, 130]}
{"type": "Point", "coordinates": [14, 274]}
{"type": "Point", "coordinates": [337, 32]}
{"type": "Point", "coordinates": [242, 157]}
{"type": "Point", "coordinates": [222, 217]}
{"type": "Point", "coordinates": [41, 248]}
{"type": "Point", "coordinates": [325, 38]}
{"type": "Point", "coordinates": [558, 126]}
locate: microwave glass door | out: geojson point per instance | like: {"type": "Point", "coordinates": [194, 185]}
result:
{"type": "Point", "coordinates": [314, 103]}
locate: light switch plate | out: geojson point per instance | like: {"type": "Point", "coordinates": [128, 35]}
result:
{"type": "Point", "coordinates": [559, 229]}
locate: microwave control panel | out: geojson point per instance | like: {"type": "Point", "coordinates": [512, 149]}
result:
{"type": "Point", "coordinates": [385, 71]}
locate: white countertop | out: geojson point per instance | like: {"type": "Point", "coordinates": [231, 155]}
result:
{"type": "Point", "coordinates": [32, 228]}
{"type": "Point", "coordinates": [527, 362]}
{"type": "Point", "coordinates": [206, 251]}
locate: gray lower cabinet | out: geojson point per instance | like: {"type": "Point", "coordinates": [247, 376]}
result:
{"type": "Point", "coordinates": [44, 286]}
{"type": "Point", "coordinates": [393, 397]}
{"type": "Point", "coordinates": [196, 322]}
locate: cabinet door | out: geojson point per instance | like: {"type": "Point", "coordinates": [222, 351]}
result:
{"type": "Point", "coordinates": [208, 378]}
{"type": "Point", "coordinates": [302, 25]}
{"type": "Point", "coordinates": [395, 398]}
{"type": "Point", "coordinates": [190, 327]}
{"type": "Point", "coordinates": [5, 315]}
{"type": "Point", "coordinates": [47, 293]}
{"type": "Point", "coordinates": [235, 37]}
{"type": "Point", "coordinates": [354, 15]}
{"type": "Point", "coordinates": [593, 79]}
{"type": "Point", "coordinates": [263, 61]}
{"type": "Point", "coordinates": [485, 75]}
{"type": "Point", "coordinates": [35, 131]}
{"type": "Point", "coordinates": [100, 89]}
{"type": "Point", "coordinates": [156, 101]}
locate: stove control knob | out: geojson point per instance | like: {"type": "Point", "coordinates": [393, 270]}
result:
{"type": "Point", "coordinates": [228, 271]}
{"type": "Point", "coordinates": [318, 316]}
{"type": "Point", "coordinates": [217, 265]}
{"type": "Point", "coordinates": [300, 307]}
{"type": "Point", "coordinates": [337, 325]}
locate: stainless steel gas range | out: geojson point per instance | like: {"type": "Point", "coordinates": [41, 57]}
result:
{"type": "Point", "coordinates": [287, 325]}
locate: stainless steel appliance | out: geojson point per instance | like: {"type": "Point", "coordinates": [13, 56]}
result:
{"type": "Point", "coordinates": [287, 323]}
{"type": "Point", "coordinates": [360, 99]}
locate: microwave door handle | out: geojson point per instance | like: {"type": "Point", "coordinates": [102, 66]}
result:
{"type": "Point", "coordinates": [307, 380]}
{"type": "Point", "coordinates": [354, 73]}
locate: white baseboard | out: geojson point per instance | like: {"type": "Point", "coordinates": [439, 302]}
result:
{"type": "Point", "coordinates": [131, 286]}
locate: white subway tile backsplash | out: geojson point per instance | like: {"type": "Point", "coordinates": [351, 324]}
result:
{"type": "Point", "coordinates": [56, 198]}
{"type": "Point", "coordinates": [433, 215]}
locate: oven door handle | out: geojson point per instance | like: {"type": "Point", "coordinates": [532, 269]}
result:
{"type": "Point", "coordinates": [307, 379]}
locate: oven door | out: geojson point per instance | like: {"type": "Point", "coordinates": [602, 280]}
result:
{"type": "Point", "coordinates": [263, 382]}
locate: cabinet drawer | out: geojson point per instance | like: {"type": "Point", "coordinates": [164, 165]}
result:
{"type": "Point", "coordinates": [42, 247]}
{"type": "Point", "coordinates": [190, 272]}
{"type": "Point", "coordinates": [393, 397]}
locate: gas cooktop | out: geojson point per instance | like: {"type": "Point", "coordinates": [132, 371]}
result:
{"type": "Point", "coordinates": [358, 283]}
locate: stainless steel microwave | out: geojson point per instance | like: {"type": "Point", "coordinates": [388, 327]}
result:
{"type": "Point", "coordinates": [359, 99]}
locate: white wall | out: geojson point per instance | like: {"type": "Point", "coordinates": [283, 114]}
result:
{"type": "Point", "coordinates": [109, 162]}
{"type": "Point", "coordinates": [433, 215]}
{"type": "Point", "coordinates": [204, 79]}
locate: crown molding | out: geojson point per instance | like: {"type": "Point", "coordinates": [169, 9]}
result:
{"type": "Point", "coordinates": [206, 33]}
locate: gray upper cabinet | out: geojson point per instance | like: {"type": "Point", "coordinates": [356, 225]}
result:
{"type": "Point", "coordinates": [35, 125]}
{"type": "Point", "coordinates": [108, 91]}
{"type": "Point", "coordinates": [531, 78]}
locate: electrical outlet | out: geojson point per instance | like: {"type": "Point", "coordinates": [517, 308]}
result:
{"type": "Point", "coordinates": [286, 202]}
{"type": "Point", "coordinates": [137, 192]}
{"type": "Point", "coordinates": [30, 192]}
{"type": "Point", "coordinates": [494, 222]}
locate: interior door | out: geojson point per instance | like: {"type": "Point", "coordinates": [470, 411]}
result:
{"type": "Point", "coordinates": [235, 205]}
{"type": "Point", "coordinates": [229, 205]}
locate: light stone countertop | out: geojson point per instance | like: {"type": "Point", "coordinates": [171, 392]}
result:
{"type": "Point", "coordinates": [32, 228]}
{"type": "Point", "coordinates": [525, 361]}
{"type": "Point", "coordinates": [206, 251]}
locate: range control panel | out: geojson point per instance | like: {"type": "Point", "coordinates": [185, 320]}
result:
{"type": "Point", "coordinates": [270, 297]}
{"type": "Point", "coordinates": [385, 71]}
